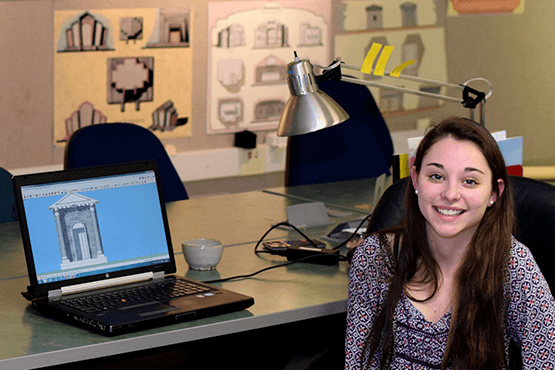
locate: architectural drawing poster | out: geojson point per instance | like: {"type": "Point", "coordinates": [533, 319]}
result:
{"type": "Point", "coordinates": [123, 65]}
{"type": "Point", "coordinates": [411, 28]}
{"type": "Point", "coordinates": [250, 43]}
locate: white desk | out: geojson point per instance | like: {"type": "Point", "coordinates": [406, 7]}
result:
{"type": "Point", "coordinates": [282, 296]}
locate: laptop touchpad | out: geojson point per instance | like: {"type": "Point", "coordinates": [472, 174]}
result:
{"type": "Point", "coordinates": [148, 309]}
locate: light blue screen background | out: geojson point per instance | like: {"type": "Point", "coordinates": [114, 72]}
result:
{"type": "Point", "coordinates": [130, 222]}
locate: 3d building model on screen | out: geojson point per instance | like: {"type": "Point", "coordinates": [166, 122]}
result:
{"type": "Point", "coordinates": [78, 231]}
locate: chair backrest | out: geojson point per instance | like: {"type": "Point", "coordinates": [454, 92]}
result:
{"type": "Point", "coordinates": [534, 208]}
{"type": "Point", "coordinates": [535, 212]}
{"type": "Point", "coordinates": [112, 143]}
{"type": "Point", "coordinates": [7, 199]}
{"type": "Point", "coordinates": [390, 209]}
{"type": "Point", "coordinates": [360, 147]}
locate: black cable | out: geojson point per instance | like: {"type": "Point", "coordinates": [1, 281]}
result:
{"type": "Point", "coordinates": [284, 223]}
{"type": "Point", "coordinates": [282, 253]}
{"type": "Point", "coordinates": [344, 243]}
{"type": "Point", "coordinates": [340, 257]}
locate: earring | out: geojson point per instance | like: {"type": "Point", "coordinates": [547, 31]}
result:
{"type": "Point", "coordinates": [416, 192]}
{"type": "Point", "coordinates": [491, 202]}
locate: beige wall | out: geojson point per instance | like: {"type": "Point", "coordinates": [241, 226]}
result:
{"type": "Point", "coordinates": [514, 52]}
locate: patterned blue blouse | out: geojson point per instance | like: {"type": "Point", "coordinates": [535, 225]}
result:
{"type": "Point", "coordinates": [420, 344]}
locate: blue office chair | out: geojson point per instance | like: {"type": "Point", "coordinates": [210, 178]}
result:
{"type": "Point", "coordinates": [7, 199]}
{"type": "Point", "coordinates": [360, 147]}
{"type": "Point", "coordinates": [111, 143]}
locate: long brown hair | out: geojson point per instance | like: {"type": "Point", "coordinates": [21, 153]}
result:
{"type": "Point", "coordinates": [476, 335]}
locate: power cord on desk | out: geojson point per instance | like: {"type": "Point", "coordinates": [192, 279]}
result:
{"type": "Point", "coordinates": [285, 223]}
{"type": "Point", "coordinates": [335, 256]}
{"type": "Point", "coordinates": [346, 241]}
{"type": "Point", "coordinates": [340, 257]}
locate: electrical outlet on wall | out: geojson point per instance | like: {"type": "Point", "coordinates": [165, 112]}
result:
{"type": "Point", "coordinates": [275, 158]}
{"type": "Point", "coordinates": [251, 161]}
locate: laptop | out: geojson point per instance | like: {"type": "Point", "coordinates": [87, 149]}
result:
{"type": "Point", "coordinates": [99, 253]}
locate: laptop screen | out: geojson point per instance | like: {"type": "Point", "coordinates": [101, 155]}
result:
{"type": "Point", "coordinates": [94, 226]}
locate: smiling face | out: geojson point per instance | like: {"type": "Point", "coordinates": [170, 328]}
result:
{"type": "Point", "coordinates": [454, 189]}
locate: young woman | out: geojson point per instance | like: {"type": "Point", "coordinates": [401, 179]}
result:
{"type": "Point", "coordinates": [450, 287]}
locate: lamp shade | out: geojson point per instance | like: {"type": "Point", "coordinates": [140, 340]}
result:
{"type": "Point", "coordinates": [308, 109]}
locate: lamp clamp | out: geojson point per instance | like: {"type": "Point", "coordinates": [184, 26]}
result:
{"type": "Point", "coordinates": [332, 72]}
{"type": "Point", "coordinates": [470, 102]}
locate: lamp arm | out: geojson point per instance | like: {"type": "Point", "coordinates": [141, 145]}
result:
{"type": "Point", "coordinates": [334, 70]}
{"type": "Point", "coordinates": [410, 78]}
{"type": "Point", "coordinates": [401, 89]}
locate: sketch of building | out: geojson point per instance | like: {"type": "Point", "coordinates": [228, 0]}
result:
{"type": "Point", "coordinates": [413, 49]}
{"type": "Point", "coordinates": [408, 11]}
{"type": "Point", "coordinates": [390, 100]}
{"type": "Point", "coordinates": [130, 28]}
{"type": "Point", "coordinates": [130, 80]}
{"type": "Point", "coordinates": [85, 115]}
{"type": "Point", "coordinates": [310, 36]}
{"type": "Point", "coordinates": [271, 70]}
{"type": "Point", "coordinates": [340, 24]}
{"type": "Point", "coordinates": [165, 118]}
{"type": "Point", "coordinates": [231, 37]}
{"type": "Point", "coordinates": [78, 231]}
{"type": "Point", "coordinates": [268, 110]}
{"type": "Point", "coordinates": [230, 111]}
{"type": "Point", "coordinates": [374, 17]}
{"type": "Point", "coordinates": [86, 34]}
{"type": "Point", "coordinates": [231, 73]}
{"type": "Point", "coordinates": [173, 29]}
{"type": "Point", "coordinates": [271, 34]}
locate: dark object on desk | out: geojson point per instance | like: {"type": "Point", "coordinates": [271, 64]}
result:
{"type": "Point", "coordinates": [281, 245]}
{"type": "Point", "coordinates": [301, 251]}
{"type": "Point", "coordinates": [106, 261]}
{"type": "Point", "coordinates": [360, 147]}
{"type": "Point", "coordinates": [245, 139]}
{"type": "Point", "coordinates": [321, 256]}
{"type": "Point", "coordinates": [111, 143]}
{"type": "Point", "coordinates": [7, 200]}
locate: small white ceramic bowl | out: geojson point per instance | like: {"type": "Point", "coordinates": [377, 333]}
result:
{"type": "Point", "coordinates": [202, 254]}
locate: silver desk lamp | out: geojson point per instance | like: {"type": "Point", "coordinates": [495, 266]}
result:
{"type": "Point", "coordinates": [309, 109]}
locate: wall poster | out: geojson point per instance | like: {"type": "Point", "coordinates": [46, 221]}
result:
{"type": "Point", "coordinates": [123, 65]}
{"type": "Point", "coordinates": [411, 29]}
{"type": "Point", "coordinates": [250, 45]}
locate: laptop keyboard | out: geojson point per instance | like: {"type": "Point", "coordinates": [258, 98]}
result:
{"type": "Point", "coordinates": [163, 291]}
